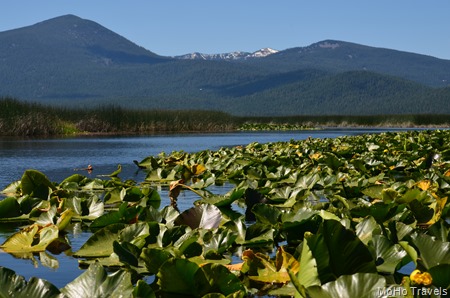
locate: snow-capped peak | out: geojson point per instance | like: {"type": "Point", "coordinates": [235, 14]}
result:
{"type": "Point", "coordinates": [264, 52]}
{"type": "Point", "coordinates": [229, 56]}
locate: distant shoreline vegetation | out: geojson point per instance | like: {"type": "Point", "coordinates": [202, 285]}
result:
{"type": "Point", "coordinates": [20, 118]}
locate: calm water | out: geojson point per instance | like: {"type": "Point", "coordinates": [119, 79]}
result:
{"type": "Point", "coordinates": [58, 158]}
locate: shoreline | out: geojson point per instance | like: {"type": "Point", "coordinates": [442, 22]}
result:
{"type": "Point", "coordinates": [159, 133]}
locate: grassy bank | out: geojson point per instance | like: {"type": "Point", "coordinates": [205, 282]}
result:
{"type": "Point", "coordinates": [29, 119]}
{"type": "Point", "coordinates": [18, 118]}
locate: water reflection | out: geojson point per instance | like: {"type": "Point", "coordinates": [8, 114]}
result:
{"type": "Point", "coordinates": [58, 158]}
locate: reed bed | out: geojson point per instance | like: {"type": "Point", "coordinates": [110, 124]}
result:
{"type": "Point", "coordinates": [20, 118]}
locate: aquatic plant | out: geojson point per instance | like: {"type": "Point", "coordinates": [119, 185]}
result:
{"type": "Point", "coordinates": [348, 217]}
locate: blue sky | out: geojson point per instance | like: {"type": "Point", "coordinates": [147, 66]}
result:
{"type": "Point", "coordinates": [178, 27]}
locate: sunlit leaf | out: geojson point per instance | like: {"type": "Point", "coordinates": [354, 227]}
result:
{"type": "Point", "coordinates": [13, 285]}
{"type": "Point", "coordinates": [258, 234]}
{"type": "Point", "coordinates": [264, 270]}
{"type": "Point", "coordinates": [339, 251]}
{"type": "Point", "coordinates": [24, 240]}
{"type": "Point", "coordinates": [95, 282]}
{"type": "Point", "coordinates": [307, 273]}
{"type": "Point", "coordinates": [204, 216]}
{"type": "Point", "coordinates": [100, 244]}
{"type": "Point", "coordinates": [388, 254]}
{"type": "Point", "coordinates": [432, 251]}
{"type": "Point", "coordinates": [357, 285]}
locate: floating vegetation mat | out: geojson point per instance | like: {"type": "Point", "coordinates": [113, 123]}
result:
{"type": "Point", "coordinates": [359, 216]}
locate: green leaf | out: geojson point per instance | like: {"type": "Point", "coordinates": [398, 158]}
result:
{"type": "Point", "coordinates": [154, 258]}
{"type": "Point", "coordinates": [179, 277]}
{"type": "Point", "coordinates": [36, 184]}
{"type": "Point", "coordinates": [135, 234]}
{"type": "Point", "coordinates": [365, 285]}
{"type": "Point", "coordinates": [220, 280]}
{"type": "Point", "coordinates": [125, 214]}
{"type": "Point", "coordinates": [100, 244]}
{"type": "Point", "coordinates": [374, 191]}
{"type": "Point", "coordinates": [224, 200]}
{"type": "Point", "coordinates": [12, 285]}
{"type": "Point", "coordinates": [258, 234]}
{"type": "Point", "coordinates": [432, 252]}
{"type": "Point", "coordinates": [116, 172]}
{"type": "Point", "coordinates": [266, 214]}
{"type": "Point", "coordinates": [9, 207]}
{"type": "Point", "coordinates": [307, 275]}
{"type": "Point", "coordinates": [203, 216]}
{"type": "Point", "coordinates": [85, 208]}
{"type": "Point", "coordinates": [389, 255]}
{"type": "Point", "coordinates": [366, 229]}
{"type": "Point", "coordinates": [23, 241]}
{"type": "Point", "coordinates": [220, 242]}
{"type": "Point", "coordinates": [339, 251]}
{"type": "Point", "coordinates": [64, 219]}
{"type": "Point", "coordinates": [127, 253]}
{"type": "Point", "coordinates": [143, 290]}
{"type": "Point", "coordinates": [95, 282]}
{"type": "Point", "coordinates": [261, 268]}
{"type": "Point", "coordinates": [441, 276]}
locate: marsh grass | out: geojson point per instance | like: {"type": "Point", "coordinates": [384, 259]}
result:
{"type": "Point", "coordinates": [19, 118]}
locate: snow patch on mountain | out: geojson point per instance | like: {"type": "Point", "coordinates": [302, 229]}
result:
{"type": "Point", "coordinates": [238, 55]}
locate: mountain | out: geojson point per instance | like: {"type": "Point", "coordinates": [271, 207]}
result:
{"type": "Point", "coordinates": [338, 56]}
{"type": "Point", "coordinates": [39, 61]}
{"type": "Point", "coordinates": [76, 62]}
{"type": "Point", "coordinates": [264, 52]}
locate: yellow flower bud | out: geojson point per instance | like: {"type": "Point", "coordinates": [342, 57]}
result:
{"type": "Point", "coordinates": [419, 278]}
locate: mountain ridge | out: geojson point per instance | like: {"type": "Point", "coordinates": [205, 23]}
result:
{"type": "Point", "coordinates": [236, 55]}
{"type": "Point", "coordinates": [72, 61]}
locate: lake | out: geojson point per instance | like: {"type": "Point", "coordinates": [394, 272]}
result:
{"type": "Point", "coordinates": [59, 158]}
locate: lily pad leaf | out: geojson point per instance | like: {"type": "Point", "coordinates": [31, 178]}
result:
{"type": "Point", "coordinates": [221, 280]}
{"type": "Point", "coordinates": [432, 251]}
{"type": "Point", "coordinates": [179, 277]}
{"type": "Point", "coordinates": [257, 234]}
{"type": "Point", "coordinates": [220, 242]}
{"type": "Point", "coordinates": [127, 253]}
{"type": "Point", "coordinates": [204, 216]}
{"type": "Point", "coordinates": [154, 258]}
{"type": "Point", "coordinates": [23, 241]}
{"type": "Point", "coordinates": [260, 268]}
{"type": "Point", "coordinates": [441, 276]}
{"type": "Point", "coordinates": [101, 243]}
{"type": "Point", "coordinates": [307, 274]}
{"type": "Point", "coordinates": [389, 255]}
{"type": "Point", "coordinates": [9, 207]}
{"type": "Point", "coordinates": [12, 189]}
{"type": "Point", "coordinates": [366, 229]}
{"type": "Point", "coordinates": [35, 287]}
{"type": "Point", "coordinates": [266, 214]}
{"type": "Point", "coordinates": [357, 285]}
{"type": "Point", "coordinates": [339, 251]}
{"type": "Point", "coordinates": [143, 289]}
{"type": "Point", "coordinates": [36, 184]}
{"type": "Point", "coordinates": [125, 214]}
{"type": "Point", "coordinates": [95, 282]}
